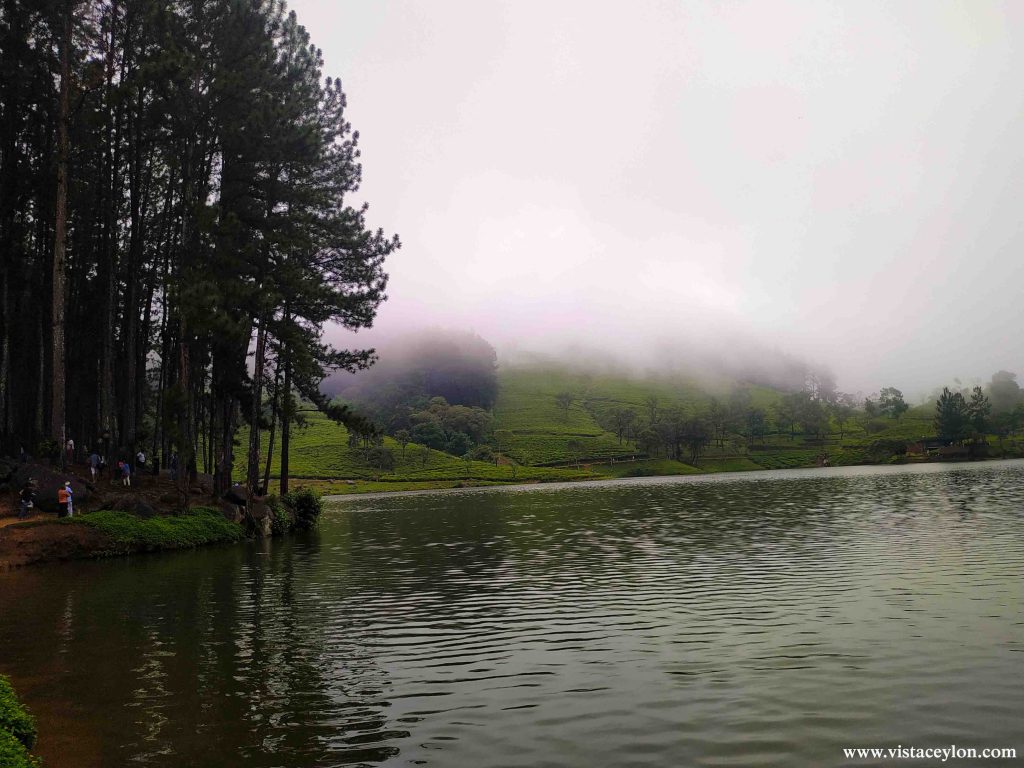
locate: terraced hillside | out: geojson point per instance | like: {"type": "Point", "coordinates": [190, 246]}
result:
{"type": "Point", "coordinates": [534, 432]}
{"type": "Point", "coordinates": [320, 451]}
{"type": "Point", "coordinates": [541, 430]}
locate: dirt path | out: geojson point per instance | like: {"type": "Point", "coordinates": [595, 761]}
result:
{"type": "Point", "coordinates": [12, 519]}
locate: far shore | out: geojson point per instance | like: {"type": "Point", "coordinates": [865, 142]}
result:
{"type": "Point", "coordinates": [733, 475]}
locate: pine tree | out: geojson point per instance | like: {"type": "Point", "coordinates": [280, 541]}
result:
{"type": "Point", "coordinates": [952, 417]}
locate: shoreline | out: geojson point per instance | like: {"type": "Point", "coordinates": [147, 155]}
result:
{"type": "Point", "coordinates": [107, 533]}
{"type": "Point", "coordinates": [696, 477]}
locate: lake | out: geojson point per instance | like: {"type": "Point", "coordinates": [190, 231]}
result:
{"type": "Point", "coordinates": [760, 619]}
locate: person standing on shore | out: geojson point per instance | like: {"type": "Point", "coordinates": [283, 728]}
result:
{"type": "Point", "coordinates": [126, 474]}
{"type": "Point", "coordinates": [69, 495]}
{"type": "Point", "coordinates": [69, 448]}
{"type": "Point", "coordinates": [28, 498]}
{"type": "Point", "coordinates": [174, 466]}
{"type": "Point", "coordinates": [64, 500]}
{"type": "Point", "coordinates": [94, 465]}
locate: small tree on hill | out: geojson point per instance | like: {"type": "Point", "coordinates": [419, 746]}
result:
{"type": "Point", "coordinates": [786, 413]}
{"type": "Point", "coordinates": [1005, 392]}
{"type": "Point", "coordinates": [575, 448]}
{"type": "Point", "coordinates": [564, 401]}
{"type": "Point", "coordinates": [622, 421]}
{"type": "Point", "coordinates": [501, 437]}
{"type": "Point", "coordinates": [755, 425]}
{"type": "Point", "coordinates": [381, 458]}
{"type": "Point", "coordinates": [979, 409]}
{"type": "Point", "coordinates": [842, 412]}
{"type": "Point", "coordinates": [952, 418]}
{"type": "Point", "coordinates": [811, 415]}
{"type": "Point", "coordinates": [891, 403]}
{"type": "Point", "coordinates": [402, 437]}
{"type": "Point", "coordinates": [718, 419]}
{"type": "Point", "coordinates": [696, 434]}
{"type": "Point", "coordinates": [651, 404]}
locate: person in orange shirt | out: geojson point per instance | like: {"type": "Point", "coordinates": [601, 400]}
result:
{"type": "Point", "coordinates": [65, 499]}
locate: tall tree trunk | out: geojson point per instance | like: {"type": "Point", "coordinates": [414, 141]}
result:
{"type": "Point", "coordinates": [274, 406]}
{"type": "Point", "coordinates": [60, 237]}
{"type": "Point", "coordinates": [187, 447]}
{"type": "Point", "coordinates": [108, 246]}
{"type": "Point", "coordinates": [131, 301]}
{"type": "Point", "coordinates": [286, 421]}
{"type": "Point", "coordinates": [256, 409]}
{"type": "Point", "coordinates": [5, 346]}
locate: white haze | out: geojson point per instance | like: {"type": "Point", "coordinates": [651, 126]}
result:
{"type": "Point", "coordinates": [840, 181]}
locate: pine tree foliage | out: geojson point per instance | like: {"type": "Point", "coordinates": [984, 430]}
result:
{"type": "Point", "coordinates": [209, 236]}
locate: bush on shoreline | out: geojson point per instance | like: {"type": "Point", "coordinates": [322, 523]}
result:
{"type": "Point", "coordinates": [17, 730]}
{"type": "Point", "coordinates": [307, 506]}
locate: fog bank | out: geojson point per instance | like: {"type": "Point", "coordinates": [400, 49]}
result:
{"type": "Point", "coordinates": [839, 182]}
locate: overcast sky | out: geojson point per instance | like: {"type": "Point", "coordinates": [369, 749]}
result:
{"type": "Point", "coordinates": [842, 181]}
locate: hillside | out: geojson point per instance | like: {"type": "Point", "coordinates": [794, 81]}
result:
{"type": "Point", "coordinates": [534, 431]}
{"type": "Point", "coordinates": [320, 452]}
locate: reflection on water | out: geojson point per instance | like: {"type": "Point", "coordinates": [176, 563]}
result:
{"type": "Point", "coordinates": [765, 619]}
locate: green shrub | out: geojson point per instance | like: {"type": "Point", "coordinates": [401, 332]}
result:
{"type": "Point", "coordinates": [279, 521]}
{"type": "Point", "coordinates": [14, 719]}
{"type": "Point", "coordinates": [887, 450]}
{"type": "Point", "coordinates": [196, 527]}
{"type": "Point", "coordinates": [307, 506]}
{"type": "Point", "coordinates": [13, 753]}
{"type": "Point", "coordinates": [641, 472]}
{"type": "Point", "coordinates": [17, 730]}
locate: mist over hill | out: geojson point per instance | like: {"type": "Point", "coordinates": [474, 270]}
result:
{"type": "Point", "coordinates": [456, 365]}
{"type": "Point", "coordinates": [460, 365]}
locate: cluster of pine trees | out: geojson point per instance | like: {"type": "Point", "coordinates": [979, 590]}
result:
{"type": "Point", "coordinates": [174, 226]}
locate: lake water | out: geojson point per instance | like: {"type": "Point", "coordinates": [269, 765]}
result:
{"type": "Point", "coordinates": [731, 620]}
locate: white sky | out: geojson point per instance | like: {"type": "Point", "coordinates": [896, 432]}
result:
{"type": "Point", "coordinates": [841, 180]}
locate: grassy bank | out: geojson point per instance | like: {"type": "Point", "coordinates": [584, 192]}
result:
{"type": "Point", "coordinates": [129, 533]}
{"type": "Point", "coordinates": [17, 730]}
{"type": "Point", "coordinates": [106, 533]}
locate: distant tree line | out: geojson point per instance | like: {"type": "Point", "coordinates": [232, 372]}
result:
{"type": "Point", "coordinates": [971, 415]}
{"type": "Point", "coordinates": [815, 412]}
{"type": "Point", "coordinates": [433, 389]}
{"type": "Point", "coordinates": [174, 231]}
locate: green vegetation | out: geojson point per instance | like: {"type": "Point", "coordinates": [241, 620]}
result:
{"type": "Point", "coordinates": [321, 451]}
{"type": "Point", "coordinates": [553, 423]}
{"type": "Point", "coordinates": [17, 729]}
{"type": "Point", "coordinates": [194, 528]}
{"type": "Point", "coordinates": [307, 506]}
{"type": "Point", "coordinates": [646, 468]}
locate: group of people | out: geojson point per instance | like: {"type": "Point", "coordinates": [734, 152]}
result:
{"type": "Point", "coordinates": [97, 464]}
{"type": "Point", "coordinates": [65, 498]}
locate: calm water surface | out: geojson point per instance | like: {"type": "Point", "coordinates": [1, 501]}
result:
{"type": "Point", "coordinates": [732, 620]}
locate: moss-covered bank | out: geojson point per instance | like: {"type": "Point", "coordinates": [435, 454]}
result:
{"type": "Point", "coordinates": [114, 532]}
